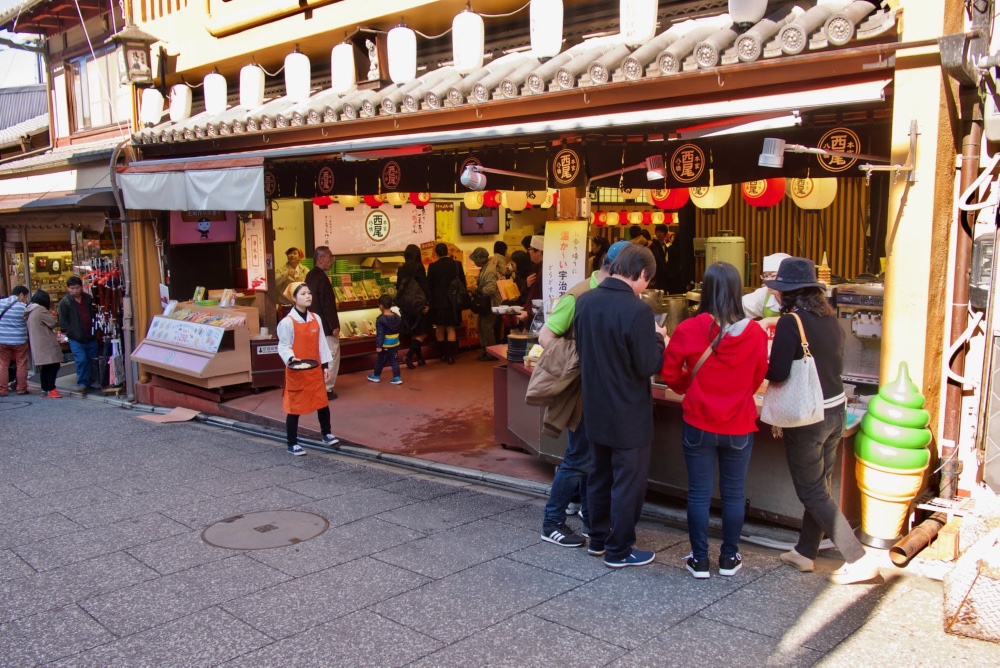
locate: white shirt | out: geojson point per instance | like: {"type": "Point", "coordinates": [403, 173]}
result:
{"type": "Point", "coordinates": [753, 303]}
{"type": "Point", "coordinates": [286, 337]}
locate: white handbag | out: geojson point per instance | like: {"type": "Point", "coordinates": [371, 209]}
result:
{"type": "Point", "coordinates": [798, 400]}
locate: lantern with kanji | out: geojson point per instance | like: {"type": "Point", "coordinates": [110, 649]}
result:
{"type": "Point", "coordinates": [711, 196]}
{"type": "Point", "coordinates": [763, 193]}
{"type": "Point", "coordinates": [669, 199]}
{"type": "Point", "coordinates": [812, 194]}
{"type": "Point", "coordinates": [600, 218]}
{"type": "Point", "coordinates": [323, 201]}
{"type": "Point", "coordinates": [491, 199]}
{"type": "Point", "coordinates": [612, 217]}
{"type": "Point", "coordinates": [397, 200]}
{"type": "Point", "coordinates": [474, 200]}
{"type": "Point", "coordinates": [420, 200]}
{"type": "Point", "coordinates": [374, 201]}
{"type": "Point", "coordinates": [348, 201]}
{"type": "Point", "coordinates": [515, 200]}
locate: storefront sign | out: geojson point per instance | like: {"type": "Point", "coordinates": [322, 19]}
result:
{"type": "Point", "coordinates": [841, 140]}
{"type": "Point", "coordinates": [205, 338]}
{"type": "Point", "coordinates": [368, 230]}
{"type": "Point", "coordinates": [564, 263]}
{"type": "Point", "coordinates": [253, 232]}
{"type": "Point", "coordinates": [202, 227]}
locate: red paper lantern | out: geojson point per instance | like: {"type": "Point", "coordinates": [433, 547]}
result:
{"type": "Point", "coordinates": [600, 218]}
{"type": "Point", "coordinates": [670, 199]}
{"type": "Point", "coordinates": [323, 201]}
{"type": "Point", "coordinates": [647, 217]}
{"type": "Point", "coordinates": [764, 192]}
{"type": "Point", "coordinates": [491, 199]}
{"type": "Point", "coordinates": [374, 201]}
{"type": "Point", "coordinates": [420, 200]}
{"type": "Point", "coordinates": [555, 200]}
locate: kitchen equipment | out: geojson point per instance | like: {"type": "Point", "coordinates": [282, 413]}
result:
{"type": "Point", "coordinates": [676, 309]}
{"type": "Point", "coordinates": [859, 313]}
{"type": "Point", "coordinates": [727, 249]}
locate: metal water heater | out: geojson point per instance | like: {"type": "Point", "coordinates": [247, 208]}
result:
{"type": "Point", "coordinates": [727, 249]}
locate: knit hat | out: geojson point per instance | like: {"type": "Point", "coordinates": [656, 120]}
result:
{"type": "Point", "coordinates": [479, 255]}
{"type": "Point", "coordinates": [795, 273]}
{"type": "Point", "coordinates": [613, 251]}
{"type": "Point", "coordinates": [772, 262]}
{"type": "Point", "coordinates": [538, 242]}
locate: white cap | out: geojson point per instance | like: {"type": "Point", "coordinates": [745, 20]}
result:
{"type": "Point", "coordinates": [772, 262]}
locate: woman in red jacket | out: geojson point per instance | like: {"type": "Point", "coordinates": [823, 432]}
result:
{"type": "Point", "coordinates": [717, 360]}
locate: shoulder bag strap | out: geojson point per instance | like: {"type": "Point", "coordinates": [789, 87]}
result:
{"type": "Point", "coordinates": [701, 360]}
{"type": "Point", "coordinates": [802, 335]}
{"type": "Point", "coordinates": [9, 307]}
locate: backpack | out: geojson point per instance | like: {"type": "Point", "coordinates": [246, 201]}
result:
{"type": "Point", "coordinates": [458, 294]}
{"type": "Point", "coordinates": [410, 298]}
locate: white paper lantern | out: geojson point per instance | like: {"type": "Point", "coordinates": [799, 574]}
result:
{"type": "Point", "coordinates": [151, 107]}
{"type": "Point", "coordinates": [638, 21]}
{"type": "Point", "coordinates": [631, 194]}
{"type": "Point", "coordinates": [474, 200]}
{"type": "Point", "coordinates": [550, 198]}
{"type": "Point", "coordinates": [747, 12]}
{"type": "Point", "coordinates": [711, 196]}
{"type": "Point", "coordinates": [298, 76]}
{"type": "Point", "coordinates": [216, 92]}
{"type": "Point", "coordinates": [180, 103]}
{"type": "Point", "coordinates": [515, 200]}
{"type": "Point", "coordinates": [613, 218]}
{"type": "Point", "coordinates": [546, 28]}
{"type": "Point", "coordinates": [397, 200]}
{"type": "Point", "coordinates": [468, 39]}
{"type": "Point", "coordinates": [348, 201]}
{"type": "Point", "coordinates": [251, 87]}
{"type": "Point", "coordinates": [402, 46]}
{"type": "Point", "coordinates": [343, 77]}
{"type": "Point", "coordinates": [812, 194]}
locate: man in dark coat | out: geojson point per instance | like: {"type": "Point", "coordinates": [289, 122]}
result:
{"type": "Point", "coordinates": [620, 347]}
{"type": "Point", "coordinates": [77, 316]}
{"type": "Point", "coordinates": [660, 253]}
{"type": "Point", "coordinates": [324, 305]}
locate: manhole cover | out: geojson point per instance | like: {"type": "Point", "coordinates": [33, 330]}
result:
{"type": "Point", "coordinates": [265, 530]}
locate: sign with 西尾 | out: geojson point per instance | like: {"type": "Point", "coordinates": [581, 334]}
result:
{"type": "Point", "coordinates": [253, 231]}
{"type": "Point", "coordinates": [564, 263]}
{"type": "Point", "coordinates": [384, 229]}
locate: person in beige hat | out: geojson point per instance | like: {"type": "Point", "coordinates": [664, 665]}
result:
{"type": "Point", "coordinates": [762, 304]}
{"type": "Point", "coordinates": [535, 251]}
{"type": "Point", "coordinates": [486, 286]}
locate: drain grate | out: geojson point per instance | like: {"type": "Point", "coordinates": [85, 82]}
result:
{"type": "Point", "coordinates": [265, 530]}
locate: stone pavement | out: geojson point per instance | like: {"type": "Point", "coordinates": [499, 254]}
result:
{"type": "Point", "coordinates": [102, 564]}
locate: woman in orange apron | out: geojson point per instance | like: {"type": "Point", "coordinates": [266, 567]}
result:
{"type": "Point", "coordinates": [300, 337]}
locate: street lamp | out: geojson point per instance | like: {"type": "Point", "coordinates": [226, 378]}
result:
{"type": "Point", "coordinates": [133, 55]}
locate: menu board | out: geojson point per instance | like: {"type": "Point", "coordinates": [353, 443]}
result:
{"type": "Point", "coordinates": [564, 263]}
{"type": "Point", "coordinates": [205, 338]}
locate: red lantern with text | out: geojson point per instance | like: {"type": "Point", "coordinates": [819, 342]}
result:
{"type": "Point", "coordinates": [420, 200]}
{"type": "Point", "coordinates": [491, 199]}
{"type": "Point", "coordinates": [669, 199]}
{"type": "Point", "coordinates": [764, 192]}
{"type": "Point", "coordinates": [600, 218]}
{"type": "Point", "coordinates": [374, 201]}
{"type": "Point", "coordinates": [323, 201]}
{"type": "Point", "coordinates": [647, 217]}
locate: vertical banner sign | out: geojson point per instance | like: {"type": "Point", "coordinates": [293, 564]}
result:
{"type": "Point", "coordinates": [256, 261]}
{"type": "Point", "coordinates": [564, 263]}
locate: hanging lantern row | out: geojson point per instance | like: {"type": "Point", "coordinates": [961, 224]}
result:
{"type": "Point", "coordinates": [602, 218]}
{"type": "Point", "coordinates": [812, 194]}
{"type": "Point", "coordinates": [763, 193]}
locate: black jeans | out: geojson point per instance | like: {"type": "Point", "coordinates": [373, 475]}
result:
{"type": "Point", "coordinates": [47, 376]}
{"type": "Point", "coordinates": [812, 455]}
{"type": "Point", "coordinates": [616, 487]}
{"type": "Point", "coordinates": [292, 425]}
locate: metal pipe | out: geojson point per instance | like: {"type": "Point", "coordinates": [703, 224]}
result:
{"type": "Point", "coordinates": [127, 324]}
{"type": "Point", "coordinates": [920, 537]}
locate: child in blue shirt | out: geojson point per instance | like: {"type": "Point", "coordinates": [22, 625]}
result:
{"type": "Point", "coordinates": [387, 328]}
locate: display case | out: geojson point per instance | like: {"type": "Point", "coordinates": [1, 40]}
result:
{"type": "Point", "coordinates": [205, 346]}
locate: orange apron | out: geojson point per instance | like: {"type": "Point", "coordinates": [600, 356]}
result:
{"type": "Point", "coordinates": [304, 391]}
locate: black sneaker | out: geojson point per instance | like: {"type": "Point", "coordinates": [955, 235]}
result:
{"type": "Point", "coordinates": [596, 549]}
{"type": "Point", "coordinates": [562, 535]}
{"type": "Point", "coordinates": [635, 558]}
{"type": "Point", "coordinates": [697, 567]}
{"type": "Point", "coordinates": [730, 565]}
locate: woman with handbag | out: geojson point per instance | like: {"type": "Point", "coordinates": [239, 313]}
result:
{"type": "Point", "coordinates": [45, 348]}
{"type": "Point", "coordinates": [717, 360]}
{"type": "Point", "coordinates": [808, 328]}
{"type": "Point", "coordinates": [446, 314]}
{"type": "Point", "coordinates": [411, 280]}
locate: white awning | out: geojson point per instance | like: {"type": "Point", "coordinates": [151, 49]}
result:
{"type": "Point", "coordinates": [226, 188]}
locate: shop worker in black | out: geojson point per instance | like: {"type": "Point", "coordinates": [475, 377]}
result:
{"type": "Point", "coordinates": [324, 304]}
{"type": "Point", "coordinates": [620, 347]}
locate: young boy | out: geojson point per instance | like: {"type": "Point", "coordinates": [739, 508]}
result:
{"type": "Point", "coordinates": [386, 341]}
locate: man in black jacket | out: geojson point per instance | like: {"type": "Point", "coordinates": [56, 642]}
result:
{"type": "Point", "coordinates": [76, 320]}
{"type": "Point", "coordinates": [324, 305]}
{"type": "Point", "coordinates": [620, 347]}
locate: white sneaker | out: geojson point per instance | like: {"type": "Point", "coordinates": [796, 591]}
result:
{"type": "Point", "coordinates": [862, 570]}
{"type": "Point", "coordinates": [296, 450]}
{"type": "Point", "coordinates": [797, 561]}
{"type": "Point", "coordinates": [330, 439]}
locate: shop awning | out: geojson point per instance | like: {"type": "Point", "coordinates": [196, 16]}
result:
{"type": "Point", "coordinates": [94, 198]}
{"type": "Point", "coordinates": [93, 221]}
{"type": "Point", "coordinates": [223, 183]}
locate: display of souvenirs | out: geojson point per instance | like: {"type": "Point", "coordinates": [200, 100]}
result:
{"type": "Point", "coordinates": [367, 328]}
{"type": "Point", "coordinates": [360, 292]}
{"type": "Point", "coordinates": [371, 287]}
{"type": "Point", "coordinates": [199, 293]}
{"type": "Point", "coordinates": [198, 336]}
{"type": "Point", "coordinates": [206, 318]}
{"type": "Point", "coordinates": [352, 328]}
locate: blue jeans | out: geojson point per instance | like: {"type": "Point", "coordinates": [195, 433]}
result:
{"type": "Point", "coordinates": [387, 356]}
{"type": "Point", "coordinates": [701, 450]}
{"type": "Point", "coordinates": [83, 353]}
{"type": "Point", "coordinates": [570, 479]}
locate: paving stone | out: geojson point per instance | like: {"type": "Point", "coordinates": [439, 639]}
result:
{"type": "Point", "coordinates": [449, 511]}
{"type": "Point", "coordinates": [702, 642]}
{"type": "Point", "coordinates": [48, 636]}
{"type": "Point", "coordinates": [200, 515]}
{"type": "Point", "coordinates": [59, 482]}
{"type": "Point", "coordinates": [77, 498]}
{"type": "Point", "coordinates": [236, 483]}
{"type": "Point", "coordinates": [527, 516]}
{"type": "Point", "coordinates": [358, 639]}
{"type": "Point", "coordinates": [108, 512]}
{"type": "Point", "coordinates": [325, 486]}
{"type": "Point", "coordinates": [179, 553]}
{"type": "Point", "coordinates": [336, 545]}
{"type": "Point", "coordinates": [10, 494]}
{"type": "Point", "coordinates": [527, 642]}
{"type": "Point", "coordinates": [659, 537]}
{"type": "Point", "coordinates": [153, 603]}
{"type": "Point", "coordinates": [459, 605]}
{"type": "Point", "coordinates": [571, 562]}
{"type": "Point", "coordinates": [356, 505]}
{"type": "Point", "coordinates": [454, 550]}
{"type": "Point", "coordinates": [206, 638]}
{"type": "Point", "coordinates": [423, 488]}
{"type": "Point", "coordinates": [38, 528]}
{"type": "Point", "coordinates": [308, 601]}
{"type": "Point", "coordinates": [630, 606]}
{"type": "Point", "coordinates": [78, 581]}
{"type": "Point", "coordinates": [757, 561]}
{"type": "Point", "coordinates": [13, 567]}
{"type": "Point", "coordinates": [19, 511]}
{"type": "Point", "coordinates": [69, 548]}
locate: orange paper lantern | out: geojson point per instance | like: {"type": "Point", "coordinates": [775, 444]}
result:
{"type": "Point", "coordinates": [669, 199]}
{"type": "Point", "coordinates": [764, 192]}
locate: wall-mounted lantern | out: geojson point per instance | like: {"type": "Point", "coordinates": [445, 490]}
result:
{"type": "Point", "coordinates": [133, 55]}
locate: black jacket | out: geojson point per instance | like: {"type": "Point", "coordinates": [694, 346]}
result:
{"type": "Point", "coordinates": [439, 275]}
{"type": "Point", "coordinates": [619, 351]}
{"type": "Point", "coordinates": [69, 318]}
{"type": "Point", "coordinates": [324, 303]}
{"type": "Point", "coordinates": [414, 272]}
{"type": "Point", "coordinates": [826, 343]}
{"type": "Point", "coordinates": [660, 255]}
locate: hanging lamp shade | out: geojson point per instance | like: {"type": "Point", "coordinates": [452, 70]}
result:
{"type": "Point", "coordinates": [550, 198]}
{"type": "Point", "coordinates": [348, 201]}
{"type": "Point", "coordinates": [669, 199]}
{"type": "Point", "coordinates": [180, 103]}
{"type": "Point", "coordinates": [630, 194]}
{"type": "Point", "coordinates": [343, 78]}
{"type": "Point", "coordinates": [151, 107]}
{"type": "Point", "coordinates": [711, 196]}
{"type": "Point", "coordinates": [763, 193]}
{"type": "Point", "coordinates": [474, 200]}
{"type": "Point", "coordinates": [468, 40]}
{"type": "Point", "coordinates": [420, 200]}
{"type": "Point", "coordinates": [812, 194]}
{"type": "Point", "coordinates": [216, 92]}
{"type": "Point", "coordinates": [298, 76]}
{"type": "Point", "coordinates": [612, 218]}
{"type": "Point", "coordinates": [546, 28]}
{"type": "Point", "coordinates": [747, 12]}
{"type": "Point", "coordinates": [657, 217]}
{"type": "Point", "coordinates": [401, 44]}
{"type": "Point", "coordinates": [536, 197]}
{"type": "Point", "coordinates": [515, 200]}
{"type": "Point", "coordinates": [251, 87]}
{"type": "Point", "coordinates": [491, 198]}
{"type": "Point", "coordinates": [634, 217]}
{"type": "Point", "coordinates": [374, 201]}
{"type": "Point", "coordinates": [397, 200]}
{"type": "Point", "coordinates": [647, 217]}
{"type": "Point", "coordinates": [638, 21]}
{"type": "Point", "coordinates": [599, 218]}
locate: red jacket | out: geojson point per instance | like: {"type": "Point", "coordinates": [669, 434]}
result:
{"type": "Point", "coordinates": [720, 400]}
